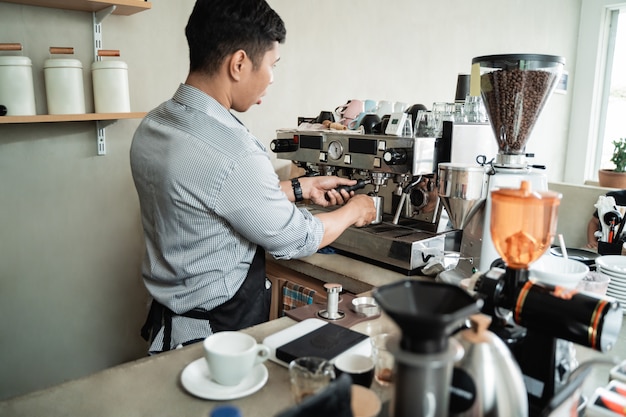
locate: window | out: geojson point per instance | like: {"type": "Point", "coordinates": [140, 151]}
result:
{"type": "Point", "coordinates": [598, 91]}
{"type": "Point", "coordinates": [612, 123]}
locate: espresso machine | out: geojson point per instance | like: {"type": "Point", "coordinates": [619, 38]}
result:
{"type": "Point", "coordinates": [538, 321]}
{"type": "Point", "coordinates": [398, 172]}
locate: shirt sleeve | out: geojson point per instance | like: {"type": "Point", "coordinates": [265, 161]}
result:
{"type": "Point", "coordinates": [253, 203]}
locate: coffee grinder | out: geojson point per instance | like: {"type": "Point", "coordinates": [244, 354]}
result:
{"type": "Point", "coordinates": [428, 313]}
{"type": "Point", "coordinates": [534, 319]}
{"type": "Point", "coordinates": [514, 88]}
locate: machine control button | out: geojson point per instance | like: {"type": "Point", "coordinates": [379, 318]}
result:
{"type": "Point", "coordinates": [283, 145]}
{"type": "Point", "coordinates": [377, 163]}
{"type": "Point", "coordinates": [347, 159]}
{"type": "Point", "coordinates": [382, 145]}
{"type": "Point", "coordinates": [395, 156]}
{"type": "Point", "coordinates": [323, 157]}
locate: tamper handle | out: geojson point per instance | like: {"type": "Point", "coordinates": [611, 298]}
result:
{"type": "Point", "coordinates": [359, 184]}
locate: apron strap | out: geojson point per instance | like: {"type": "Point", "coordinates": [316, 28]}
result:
{"type": "Point", "coordinates": [249, 306]}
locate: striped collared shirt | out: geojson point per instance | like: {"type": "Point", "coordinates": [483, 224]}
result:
{"type": "Point", "coordinates": [208, 195]}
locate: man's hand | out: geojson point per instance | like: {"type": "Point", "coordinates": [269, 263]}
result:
{"type": "Point", "coordinates": [322, 190]}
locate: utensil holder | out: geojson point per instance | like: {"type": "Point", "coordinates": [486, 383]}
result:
{"type": "Point", "coordinates": [614, 248]}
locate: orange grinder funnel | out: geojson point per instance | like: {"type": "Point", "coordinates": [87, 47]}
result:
{"type": "Point", "coordinates": [523, 223]}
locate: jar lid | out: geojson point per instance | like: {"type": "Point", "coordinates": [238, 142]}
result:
{"type": "Point", "coordinates": [526, 193]}
{"type": "Point", "coordinates": [62, 63]}
{"type": "Point", "coordinates": [15, 61]}
{"type": "Point", "coordinates": [98, 65]}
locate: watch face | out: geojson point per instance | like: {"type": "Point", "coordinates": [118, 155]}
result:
{"type": "Point", "coordinates": [335, 150]}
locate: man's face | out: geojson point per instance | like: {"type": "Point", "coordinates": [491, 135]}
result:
{"type": "Point", "coordinates": [254, 82]}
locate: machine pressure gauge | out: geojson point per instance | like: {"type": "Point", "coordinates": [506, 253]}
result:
{"type": "Point", "coordinates": [335, 150]}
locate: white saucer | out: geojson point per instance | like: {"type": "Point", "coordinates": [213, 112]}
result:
{"type": "Point", "coordinates": [196, 378]}
{"type": "Point", "coordinates": [614, 263]}
{"type": "Point", "coordinates": [619, 277]}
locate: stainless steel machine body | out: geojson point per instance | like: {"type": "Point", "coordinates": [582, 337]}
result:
{"type": "Point", "coordinates": [401, 170]}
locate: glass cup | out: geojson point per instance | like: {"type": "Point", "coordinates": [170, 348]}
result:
{"type": "Point", "coordinates": [309, 375]}
{"type": "Point", "coordinates": [425, 124]}
{"type": "Point", "coordinates": [475, 109]}
{"type": "Point", "coordinates": [595, 283]}
{"type": "Point", "coordinates": [383, 359]}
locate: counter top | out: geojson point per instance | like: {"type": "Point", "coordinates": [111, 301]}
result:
{"type": "Point", "coordinates": [354, 275]}
{"type": "Point", "coordinates": [151, 386]}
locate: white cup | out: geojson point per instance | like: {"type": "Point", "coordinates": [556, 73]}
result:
{"type": "Point", "coordinates": [232, 355]}
{"type": "Point", "coordinates": [400, 107]}
{"type": "Point", "coordinates": [384, 107]}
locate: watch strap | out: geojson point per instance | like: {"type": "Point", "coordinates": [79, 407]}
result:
{"type": "Point", "coordinates": [297, 189]}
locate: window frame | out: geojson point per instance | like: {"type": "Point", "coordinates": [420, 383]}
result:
{"type": "Point", "coordinates": [590, 88]}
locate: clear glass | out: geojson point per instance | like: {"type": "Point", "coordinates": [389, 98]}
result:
{"type": "Point", "coordinates": [442, 112]}
{"type": "Point", "coordinates": [383, 359]}
{"type": "Point", "coordinates": [523, 223]}
{"type": "Point", "coordinates": [475, 111]}
{"type": "Point", "coordinates": [425, 124]}
{"type": "Point", "coordinates": [308, 376]}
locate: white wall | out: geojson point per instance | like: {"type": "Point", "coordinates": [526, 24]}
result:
{"type": "Point", "coordinates": [412, 51]}
{"type": "Point", "coordinates": [71, 297]}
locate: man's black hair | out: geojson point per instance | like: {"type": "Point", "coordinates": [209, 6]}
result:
{"type": "Point", "coordinates": [218, 28]}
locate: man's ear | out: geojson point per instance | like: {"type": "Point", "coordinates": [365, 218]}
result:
{"type": "Point", "coordinates": [237, 63]}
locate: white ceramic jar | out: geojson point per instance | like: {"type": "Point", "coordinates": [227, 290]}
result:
{"type": "Point", "coordinates": [110, 87]}
{"type": "Point", "coordinates": [65, 93]}
{"type": "Point", "coordinates": [16, 85]}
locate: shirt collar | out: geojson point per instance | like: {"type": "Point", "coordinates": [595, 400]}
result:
{"type": "Point", "coordinates": [196, 99]}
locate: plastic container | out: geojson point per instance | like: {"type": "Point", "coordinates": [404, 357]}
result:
{"type": "Point", "coordinates": [65, 93]}
{"type": "Point", "coordinates": [16, 83]}
{"type": "Point", "coordinates": [110, 87]}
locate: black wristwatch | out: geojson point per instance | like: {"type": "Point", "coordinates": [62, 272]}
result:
{"type": "Point", "coordinates": [297, 189]}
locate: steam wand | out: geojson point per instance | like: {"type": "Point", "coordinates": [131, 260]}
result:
{"type": "Point", "coordinates": [405, 193]}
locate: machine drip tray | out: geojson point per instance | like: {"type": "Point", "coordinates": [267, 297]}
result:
{"type": "Point", "coordinates": [404, 247]}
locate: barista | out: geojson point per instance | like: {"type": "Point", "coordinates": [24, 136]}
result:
{"type": "Point", "coordinates": [211, 203]}
{"type": "Point", "coordinates": [594, 223]}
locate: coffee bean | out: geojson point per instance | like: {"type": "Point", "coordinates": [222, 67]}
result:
{"type": "Point", "coordinates": [514, 98]}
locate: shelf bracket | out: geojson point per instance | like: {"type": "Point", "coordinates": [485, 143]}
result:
{"type": "Point", "coordinates": [101, 135]}
{"type": "Point", "coordinates": [98, 17]}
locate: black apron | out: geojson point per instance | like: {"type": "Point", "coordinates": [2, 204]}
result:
{"type": "Point", "coordinates": [249, 306]}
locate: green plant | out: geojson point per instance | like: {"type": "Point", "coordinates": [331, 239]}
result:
{"type": "Point", "coordinates": [619, 155]}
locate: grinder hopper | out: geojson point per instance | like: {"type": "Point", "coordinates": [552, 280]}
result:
{"type": "Point", "coordinates": [515, 88]}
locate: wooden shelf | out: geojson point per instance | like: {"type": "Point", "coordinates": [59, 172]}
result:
{"type": "Point", "coordinates": [123, 7]}
{"type": "Point", "coordinates": [54, 118]}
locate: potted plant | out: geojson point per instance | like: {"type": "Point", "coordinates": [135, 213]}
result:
{"type": "Point", "coordinates": [615, 178]}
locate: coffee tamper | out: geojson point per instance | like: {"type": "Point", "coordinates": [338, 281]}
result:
{"type": "Point", "coordinates": [332, 303]}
